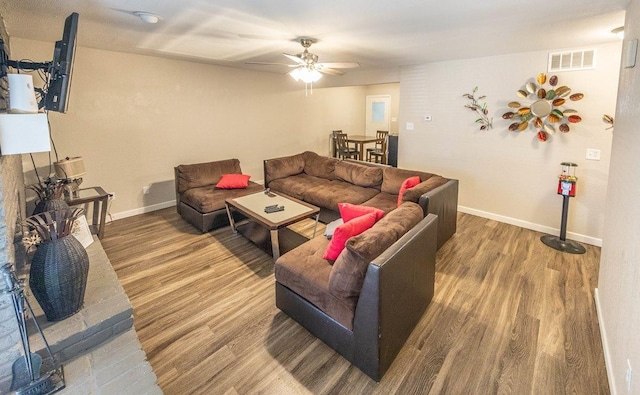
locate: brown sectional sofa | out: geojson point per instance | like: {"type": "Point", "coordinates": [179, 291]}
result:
{"type": "Point", "coordinates": [198, 201]}
{"type": "Point", "coordinates": [366, 303]}
{"type": "Point", "coordinates": [325, 182]}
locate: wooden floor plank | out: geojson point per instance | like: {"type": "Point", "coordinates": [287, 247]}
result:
{"type": "Point", "coordinates": [509, 315]}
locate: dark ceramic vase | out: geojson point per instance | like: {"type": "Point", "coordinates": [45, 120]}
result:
{"type": "Point", "coordinates": [58, 277]}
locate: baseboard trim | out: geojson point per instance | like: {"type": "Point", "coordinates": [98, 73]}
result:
{"type": "Point", "coordinates": [605, 344]}
{"type": "Point", "coordinates": [530, 225]}
{"type": "Point", "coordinates": [143, 210]}
{"type": "Point", "coordinates": [484, 214]}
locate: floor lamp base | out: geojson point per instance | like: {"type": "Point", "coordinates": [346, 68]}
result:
{"type": "Point", "coordinates": [569, 246]}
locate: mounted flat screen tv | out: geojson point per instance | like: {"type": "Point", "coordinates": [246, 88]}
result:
{"type": "Point", "coordinates": [61, 69]}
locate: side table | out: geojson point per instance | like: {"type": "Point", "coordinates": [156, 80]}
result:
{"type": "Point", "coordinates": [100, 199]}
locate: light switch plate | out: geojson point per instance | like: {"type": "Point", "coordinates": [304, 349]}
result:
{"type": "Point", "coordinates": [629, 53]}
{"type": "Point", "coordinates": [592, 154]}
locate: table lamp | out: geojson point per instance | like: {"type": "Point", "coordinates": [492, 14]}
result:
{"type": "Point", "coordinates": [70, 171]}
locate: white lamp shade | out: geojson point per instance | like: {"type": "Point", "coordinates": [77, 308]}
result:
{"type": "Point", "coordinates": [24, 133]}
{"type": "Point", "coordinates": [70, 168]}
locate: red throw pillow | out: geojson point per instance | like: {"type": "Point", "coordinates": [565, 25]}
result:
{"type": "Point", "coordinates": [345, 231]}
{"type": "Point", "coordinates": [233, 181]}
{"type": "Point", "coordinates": [407, 184]}
{"type": "Point", "coordinates": [350, 211]}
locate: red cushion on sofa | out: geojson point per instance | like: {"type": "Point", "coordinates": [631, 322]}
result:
{"type": "Point", "coordinates": [407, 184]}
{"type": "Point", "coordinates": [350, 211]}
{"type": "Point", "coordinates": [345, 231]}
{"type": "Point", "coordinates": [233, 181]}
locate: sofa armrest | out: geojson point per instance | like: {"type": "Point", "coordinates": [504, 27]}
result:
{"type": "Point", "coordinates": [178, 195]}
{"type": "Point", "coordinates": [443, 202]}
{"type": "Point", "coordinates": [397, 289]}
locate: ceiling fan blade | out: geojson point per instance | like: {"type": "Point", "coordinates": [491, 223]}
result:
{"type": "Point", "coordinates": [331, 71]}
{"type": "Point", "coordinates": [294, 58]}
{"type": "Point", "coordinates": [272, 64]}
{"type": "Point", "coordinates": [339, 65]}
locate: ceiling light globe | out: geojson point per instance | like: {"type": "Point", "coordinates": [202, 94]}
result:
{"type": "Point", "coordinates": [148, 17]}
{"type": "Point", "coordinates": [619, 31]}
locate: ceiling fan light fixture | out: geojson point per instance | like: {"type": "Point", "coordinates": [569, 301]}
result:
{"type": "Point", "coordinates": [148, 17]}
{"type": "Point", "coordinates": [305, 74]}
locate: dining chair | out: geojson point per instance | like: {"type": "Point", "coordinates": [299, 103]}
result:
{"type": "Point", "coordinates": [344, 150]}
{"type": "Point", "coordinates": [334, 142]}
{"type": "Point", "coordinates": [379, 152]}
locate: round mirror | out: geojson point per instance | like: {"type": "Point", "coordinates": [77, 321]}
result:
{"type": "Point", "coordinates": [541, 108]}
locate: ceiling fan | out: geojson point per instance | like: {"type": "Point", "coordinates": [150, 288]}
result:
{"type": "Point", "coordinates": [307, 68]}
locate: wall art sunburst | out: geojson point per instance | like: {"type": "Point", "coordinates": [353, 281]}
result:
{"type": "Point", "coordinates": [547, 110]}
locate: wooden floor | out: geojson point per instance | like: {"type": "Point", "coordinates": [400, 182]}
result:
{"type": "Point", "coordinates": [509, 316]}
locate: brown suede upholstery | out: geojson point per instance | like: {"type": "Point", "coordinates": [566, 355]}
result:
{"type": "Point", "coordinates": [357, 174]}
{"type": "Point", "coordinates": [331, 193]}
{"type": "Point", "coordinates": [396, 290]}
{"type": "Point", "coordinates": [207, 199]}
{"type": "Point", "coordinates": [393, 178]}
{"type": "Point", "coordinates": [335, 289]}
{"type": "Point", "coordinates": [296, 186]}
{"type": "Point", "coordinates": [284, 167]}
{"type": "Point", "coordinates": [413, 194]}
{"type": "Point", "coordinates": [204, 174]}
{"type": "Point", "coordinates": [325, 182]}
{"type": "Point", "coordinates": [305, 272]}
{"type": "Point", "coordinates": [367, 304]}
{"type": "Point", "coordinates": [197, 199]}
{"type": "Point", "coordinates": [319, 166]}
{"type": "Point", "coordinates": [350, 268]}
{"type": "Point", "coordinates": [384, 201]}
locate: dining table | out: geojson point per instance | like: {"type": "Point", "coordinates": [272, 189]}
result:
{"type": "Point", "coordinates": [360, 140]}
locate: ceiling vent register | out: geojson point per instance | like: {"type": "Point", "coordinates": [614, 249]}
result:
{"type": "Point", "coordinates": [572, 60]}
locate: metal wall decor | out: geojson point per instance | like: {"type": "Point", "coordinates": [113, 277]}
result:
{"type": "Point", "coordinates": [480, 109]}
{"type": "Point", "coordinates": [548, 110]}
{"type": "Point", "coordinates": [608, 119]}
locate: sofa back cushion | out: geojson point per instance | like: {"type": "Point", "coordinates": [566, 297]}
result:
{"type": "Point", "coordinates": [283, 167]}
{"type": "Point", "coordinates": [349, 269]}
{"type": "Point", "coordinates": [204, 174]}
{"type": "Point", "coordinates": [360, 175]}
{"type": "Point", "coordinates": [319, 166]}
{"type": "Point", "coordinates": [392, 178]}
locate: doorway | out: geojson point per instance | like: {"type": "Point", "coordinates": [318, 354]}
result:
{"type": "Point", "coordinates": [377, 113]}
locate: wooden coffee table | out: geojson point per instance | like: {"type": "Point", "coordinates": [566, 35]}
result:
{"type": "Point", "coordinates": [269, 230]}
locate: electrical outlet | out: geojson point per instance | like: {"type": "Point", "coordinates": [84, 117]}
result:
{"type": "Point", "coordinates": [593, 154]}
{"type": "Point", "coordinates": [629, 375]}
{"type": "Point", "coordinates": [409, 126]}
{"type": "Point", "coordinates": [145, 189]}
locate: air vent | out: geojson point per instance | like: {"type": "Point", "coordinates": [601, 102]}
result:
{"type": "Point", "coordinates": [571, 61]}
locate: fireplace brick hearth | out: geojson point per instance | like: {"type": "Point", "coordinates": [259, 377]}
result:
{"type": "Point", "coordinates": [98, 346]}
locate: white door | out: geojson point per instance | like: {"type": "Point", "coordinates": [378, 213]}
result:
{"type": "Point", "coordinates": [377, 114]}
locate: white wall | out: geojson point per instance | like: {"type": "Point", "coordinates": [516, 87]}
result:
{"type": "Point", "coordinates": [133, 118]}
{"type": "Point", "coordinates": [504, 175]}
{"type": "Point", "coordinates": [619, 282]}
